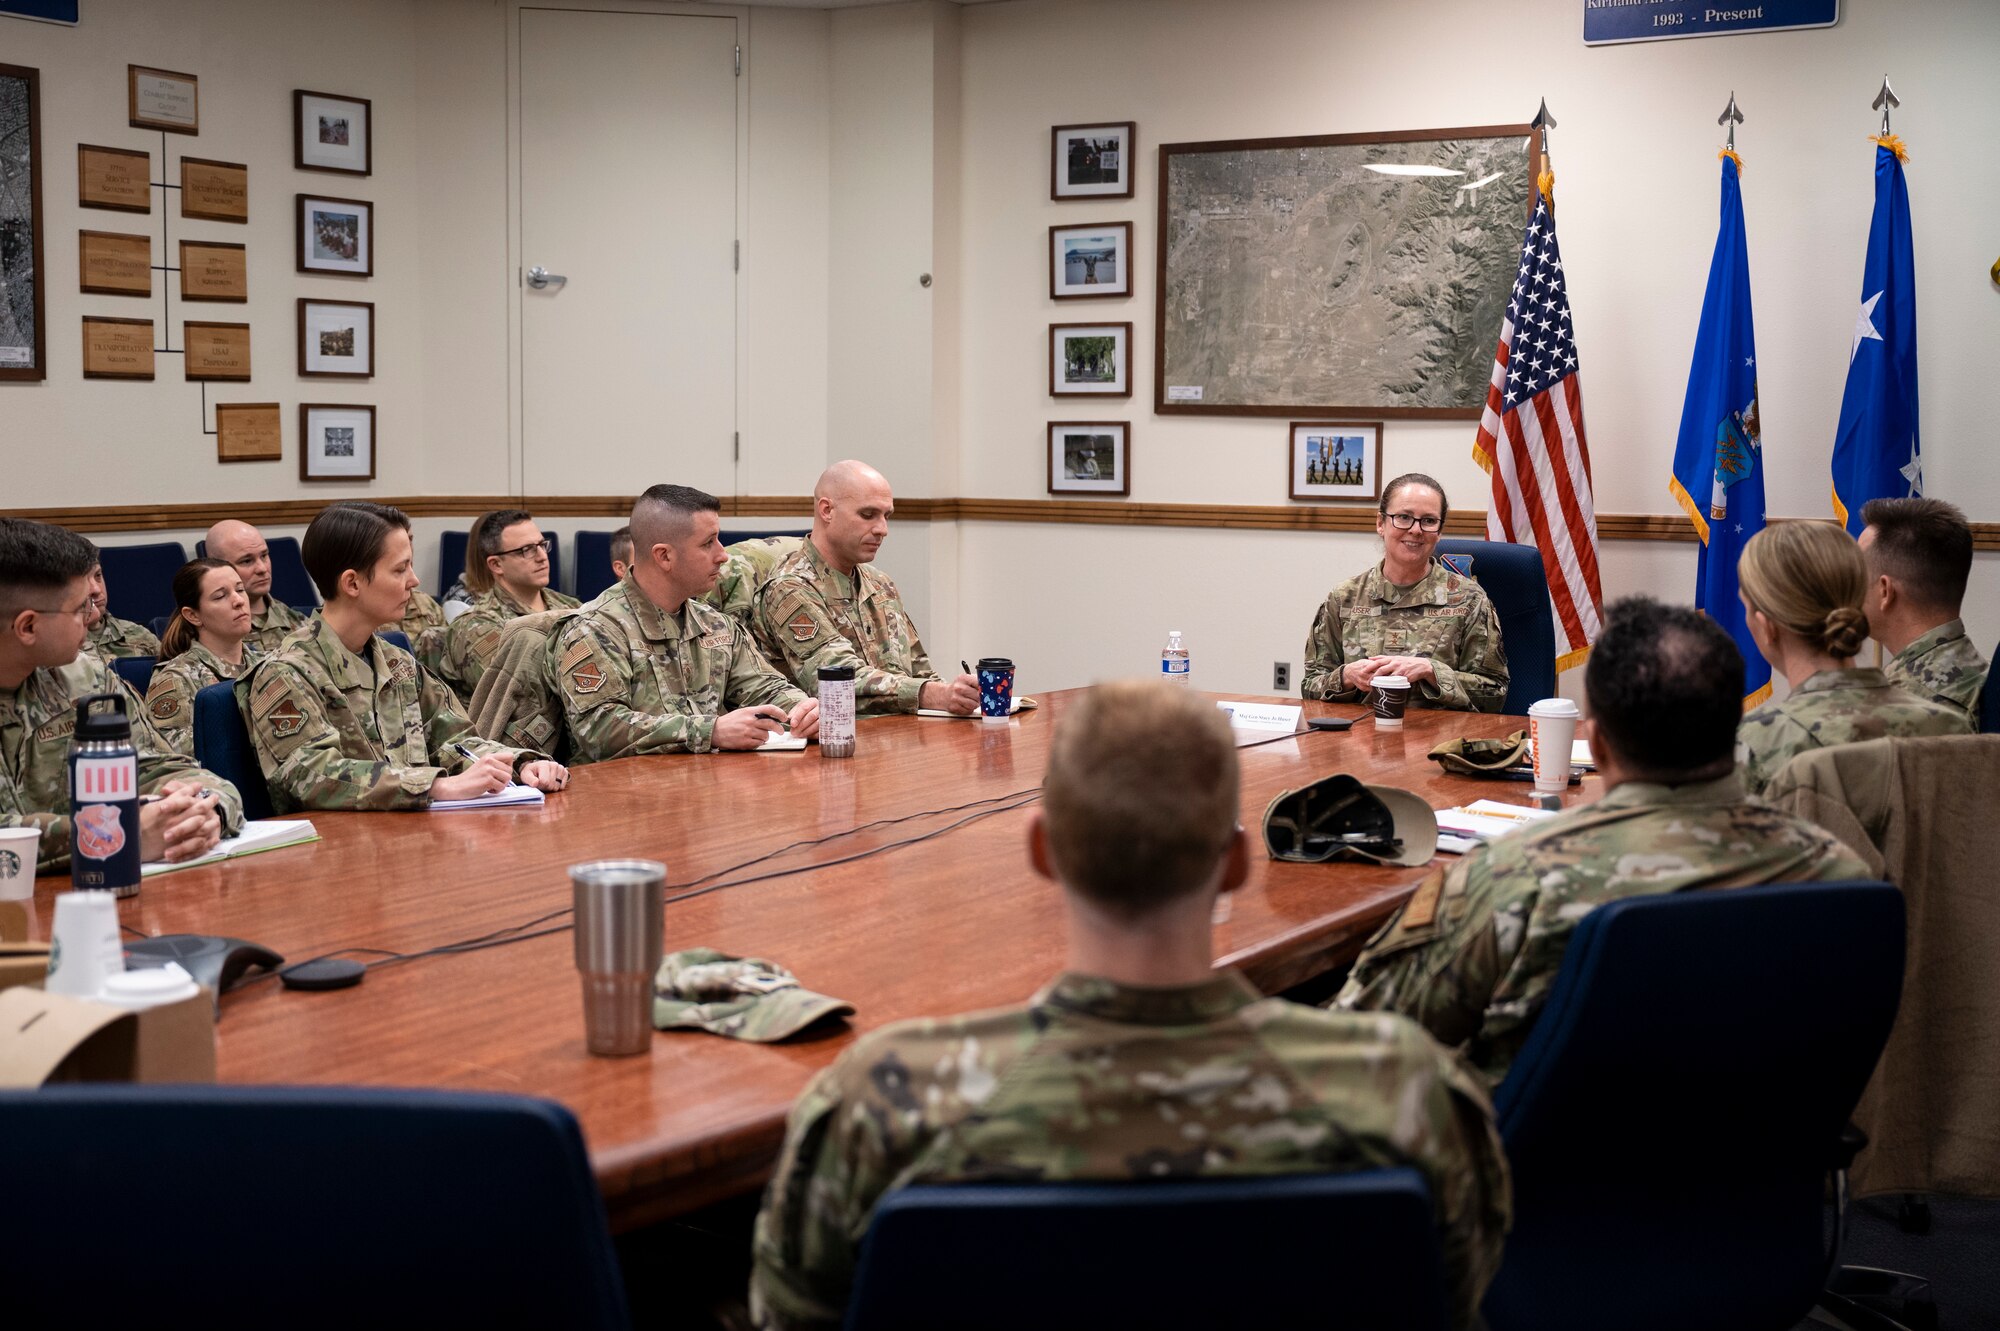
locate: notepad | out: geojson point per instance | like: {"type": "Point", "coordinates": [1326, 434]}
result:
{"type": "Point", "coordinates": [257, 836]}
{"type": "Point", "coordinates": [1012, 708]}
{"type": "Point", "coordinates": [780, 742]}
{"type": "Point", "coordinates": [1487, 820]}
{"type": "Point", "coordinates": [502, 798]}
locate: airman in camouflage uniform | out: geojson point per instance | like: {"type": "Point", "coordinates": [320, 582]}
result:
{"type": "Point", "coordinates": [472, 638]}
{"type": "Point", "coordinates": [750, 566]}
{"type": "Point", "coordinates": [1944, 667]}
{"type": "Point", "coordinates": [809, 614]}
{"type": "Point", "coordinates": [170, 697]}
{"type": "Point", "coordinates": [334, 731]}
{"type": "Point", "coordinates": [635, 679]}
{"type": "Point", "coordinates": [36, 721]}
{"type": "Point", "coordinates": [1098, 1080]}
{"type": "Point", "coordinates": [1445, 617]}
{"type": "Point", "coordinates": [1835, 707]}
{"type": "Point", "coordinates": [1474, 953]}
{"type": "Point", "coordinates": [269, 626]}
{"type": "Point", "coordinates": [112, 638]}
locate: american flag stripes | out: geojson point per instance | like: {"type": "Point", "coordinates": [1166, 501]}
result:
{"type": "Point", "coordinates": [1531, 440]}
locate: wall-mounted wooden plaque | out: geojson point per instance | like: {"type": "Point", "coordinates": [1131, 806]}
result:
{"type": "Point", "coordinates": [162, 99]}
{"type": "Point", "coordinates": [114, 178]}
{"type": "Point", "coordinates": [117, 348]}
{"type": "Point", "coordinates": [217, 351]}
{"type": "Point", "coordinates": [248, 432]}
{"type": "Point", "coordinates": [215, 191]}
{"type": "Point", "coordinates": [213, 270]}
{"type": "Point", "coordinates": [114, 263]}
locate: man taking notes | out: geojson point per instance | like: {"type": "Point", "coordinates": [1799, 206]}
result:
{"type": "Point", "coordinates": [827, 605]}
{"type": "Point", "coordinates": [1141, 1061]}
{"type": "Point", "coordinates": [242, 545]}
{"type": "Point", "coordinates": [1919, 557]}
{"type": "Point", "coordinates": [647, 668]}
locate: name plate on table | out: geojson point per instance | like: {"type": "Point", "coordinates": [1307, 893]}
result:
{"type": "Point", "coordinates": [1606, 21]}
{"type": "Point", "coordinates": [1262, 716]}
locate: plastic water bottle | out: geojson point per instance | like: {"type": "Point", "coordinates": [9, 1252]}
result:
{"type": "Point", "coordinates": [1175, 667]}
{"type": "Point", "coordinates": [104, 798]}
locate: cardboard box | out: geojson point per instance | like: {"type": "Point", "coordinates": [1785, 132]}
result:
{"type": "Point", "coordinates": [54, 1038]}
{"type": "Point", "coordinates": [23, 962]}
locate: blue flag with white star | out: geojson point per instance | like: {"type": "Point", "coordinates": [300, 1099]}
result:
{"type": "Point", "coordinates": [1719, 460]}
{"type": "Point", "coordinates": [1876, 453]}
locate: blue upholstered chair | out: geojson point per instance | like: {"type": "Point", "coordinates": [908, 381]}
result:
{"type": "Point", "coordinates": [395, 638]}
{"type": "Point", "coordinates": [1291, 1250]}
{"type": "Point", "coordinates": [1989, 701]}
{"type": "Point", "coordinates": [136, 671]}
{"type": "Point", "coordinates": [139, 579]}
{"type": "Point", "coordinates": [222, 745]}
{"type": "Point", "coordinates": [290, 583]}
{"type": "Point", "coordinates": [320, 1206]}
{"type": "Point", "coordinates": [1672, 1119]}
{"type": "Point", "coordinates": [451, 559]}
{"type": "Point", "coordinates": [1513, 579]}
{"type": "Point", "coordinates": [732, 537]}
{"type": "Point", "coordinates": [593, 563]}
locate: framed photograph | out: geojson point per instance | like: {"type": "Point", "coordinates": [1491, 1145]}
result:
{"type": "Point", "coordinates": [338, 236]}
{"type": "Point", "coordinates": [1090, 360]}
{"type": "Point", "coordinates": [331, 133]}
{"type": "Point", "coordinates": [1335, 459]}
{"type": "Point", "coordinates": [215, 191]}
{"type": "Point", "coordinates": [162, 99]}
{"type": "Point", "coordinates": [214, 270]}
{"type": "Point", "coordinates": [1090, 457]}
{"type": "Point", "coordinates": [336, 339]}
{"type": "Point", "coordinates": [115, 178]}
{"type": "Point", "coordinates": [1093, 161]}
{"type": "Point", "coordinates": [23, 346]}
{"type": "Point", "coordinates": [336, 442]}
{"type": "Point", "coordinates": [114, 263]}
{"type": "Point", "coordinates": [1094, 260]}
{"type": "Point", "coordinates": [1338, 275]}
{"type": "Point", "coordinates": [117, 348]}
{"type": "Point", "coordinates": [248, 432]}
{"type": "Point", "coordinates": [215, 351]}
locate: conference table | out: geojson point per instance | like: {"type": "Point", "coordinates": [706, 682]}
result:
{"type": "Point", "coordinates": [896, 879]}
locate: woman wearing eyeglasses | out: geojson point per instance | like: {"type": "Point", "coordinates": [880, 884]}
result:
{"type": "Point", "coordinates": [507, 567]}
{"type": "Point", "coordinates": [1410, 615]}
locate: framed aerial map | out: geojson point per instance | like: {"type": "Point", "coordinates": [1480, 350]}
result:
{"type": "Point", "coordinates": [1338, 274]}
{"type": "Point", "coordinates": [23, 341]}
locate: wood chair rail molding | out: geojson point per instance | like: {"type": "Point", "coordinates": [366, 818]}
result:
{"type": "Point", "coordinates": [1224, 517]}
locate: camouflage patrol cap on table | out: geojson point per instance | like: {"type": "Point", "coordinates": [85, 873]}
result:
{"type": "Point", "coordinates": [1482, 757]}
{"type": "Point", "coordinates": [745, 998]}
{"type": "Point", "coordinates": [1338, 815]}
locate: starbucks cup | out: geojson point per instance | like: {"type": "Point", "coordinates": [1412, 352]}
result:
{"type": "Point", "coordinates": [1552, 728]}
{"type": "Point", "coordinates": [19, 849]}
{"type": "Point", "coordinates": [1391, 700]}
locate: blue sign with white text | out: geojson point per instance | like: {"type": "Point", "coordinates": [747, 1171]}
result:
{"type": "Point", "coordinates": [1657, 20]}
{"type": "Point", "coordinates": [49, 11]}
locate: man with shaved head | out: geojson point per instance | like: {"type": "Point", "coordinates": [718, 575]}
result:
{"type": "Point", "coordinates": [647, 668]}
{"type": "Point", "coordinates": [241, 545]}
{"type": "Point", "coordinates": [825, 605]}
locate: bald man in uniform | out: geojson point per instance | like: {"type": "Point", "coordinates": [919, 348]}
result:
{"type": "Point", "coordinates": [243, 547]}
{"type": "Point", "coordinates": [826, 605]}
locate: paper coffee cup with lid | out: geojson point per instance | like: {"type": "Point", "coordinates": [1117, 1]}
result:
{"type": "Point", "coordinates": [1391, 699]}
{"type": "Point", "coordinates": [1552, 732]}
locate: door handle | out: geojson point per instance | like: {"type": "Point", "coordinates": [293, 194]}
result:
{"type": "Point", "coordinates": [539, 277]}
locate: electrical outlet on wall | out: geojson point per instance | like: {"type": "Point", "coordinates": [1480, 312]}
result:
{"type": "Point", "coordinates": [1281, 674]}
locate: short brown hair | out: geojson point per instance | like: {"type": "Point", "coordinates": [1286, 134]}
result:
{"type": "Point", "coordinates": [1141, 795]}
{"type": "Point", "coordinates": [483, 542]}
{"type": "Point", "coordinates": [1925, 545]}
{"type": "Point", "coordinates": [1809, 578]}
{"type": "Point", "coordinates": [347, 535]}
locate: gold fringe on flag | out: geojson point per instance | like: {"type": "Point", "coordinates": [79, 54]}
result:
{"type": "Point", "coordinates": [1733, 156]}
{"type": "Point", "coordinates": [1546, 183]}
{"type": "Point", "coordinates": [1893, 142]}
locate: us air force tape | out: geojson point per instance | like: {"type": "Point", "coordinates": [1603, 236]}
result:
{"type": "Point", "coordinates": [1338, 815]}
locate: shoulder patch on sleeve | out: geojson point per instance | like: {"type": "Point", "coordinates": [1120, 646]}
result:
{"type": "Point", "coordinates": [581, 669]}
{"type": "Point", "coordinates": [801, 625]}
{"type": "Point", "coordinates": [1459, 564]}
{"type": "Point", "coordinates": [165, 705]}
{"type": "Point", "coordinates": [285, 717]}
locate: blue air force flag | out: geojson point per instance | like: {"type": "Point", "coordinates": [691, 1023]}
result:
{"type": "Point", "coordinates": [1719, 460]}
{"type": "Point", "coordinates": [1875, 451]}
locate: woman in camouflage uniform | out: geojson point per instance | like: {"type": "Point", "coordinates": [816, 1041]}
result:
{"type": "Point", "coordinates": [203, 645]}
{"type": "Point", "coordinates": [1801, 586]}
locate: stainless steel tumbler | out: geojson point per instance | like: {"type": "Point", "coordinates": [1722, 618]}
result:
{"type": "Point", "coordinates": [620, 918]}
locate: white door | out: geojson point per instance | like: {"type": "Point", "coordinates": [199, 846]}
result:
{"type": "Point", "coordinates": [628, 190]}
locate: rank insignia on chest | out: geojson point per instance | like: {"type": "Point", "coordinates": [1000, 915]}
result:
{"type": "Point", "coordinates": [586, 676]}
{"type": "Point", "coordinates": [285, 719]}
{"type": "Point", "coordinates": [802, 627]}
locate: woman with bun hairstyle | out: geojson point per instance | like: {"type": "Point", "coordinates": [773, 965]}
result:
{"type": "Point", "coordinates": [1802, 585]}
{"type": "Point", "coordinates": [206, 643]}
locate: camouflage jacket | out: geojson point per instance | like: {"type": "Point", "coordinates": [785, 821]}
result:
{"type": "Point", "coordinates": [1445, 617]}
{"type": "Point", "coordinates": [36, 720]}
{"type": "Point", "coordinates": [170, 697]}
{"type": "Point", "coordinates": [810, 614]}
{"type": "Point", "coordinates": [113, 638]}
{"type": "Point", "coordinates": [336, 731]}
{"type": "Point", "coordinates": [472, 638]}
{"type": "Point", "coordinates": [268, 629]}
{"type": "Point", "coordinates": [1474, 952]}
{"type": "Point", "coordinates": [423, 624]}
{"type": "Point", "coordinates": [1835, 707]}
{"type": "Point", "coordinates": [635, 679]}
{"type": "Point", "coordinates": [1942, 666]}
{"type": "Point", "coordinates": [1096, 1080]}
{"type": "Point", "coordinates": [750, 566]}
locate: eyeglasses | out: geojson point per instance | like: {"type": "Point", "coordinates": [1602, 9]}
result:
{"type": "Point", "coordinates": [545, 545]}
{"type": "Point", "coordinates": [82, 612]}
{"type": "Point", "coordinates": [1405, 521]}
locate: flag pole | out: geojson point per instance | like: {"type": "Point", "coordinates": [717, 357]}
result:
{"type": "Point", "coordinates": [1884, 100]}
{"type": "Point", "coordinates": [1732, 118]}
{"type": "Point", "coordinates": [1546, 180]}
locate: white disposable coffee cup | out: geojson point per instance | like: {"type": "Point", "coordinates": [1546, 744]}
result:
{"type": "Point", "coordinates": [84, 950]}
{"type": "Point", "coordinates": [156, 986]}
{"type": "Point", "coordinates": [1392, 699]}
{"type": "Point", "coordinates": [1552, 729]}
{"type": "Point", "coordinates": [19, 847]}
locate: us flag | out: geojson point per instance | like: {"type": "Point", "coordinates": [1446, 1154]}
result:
{"type": "Point", "coordinates": [1531, 440]}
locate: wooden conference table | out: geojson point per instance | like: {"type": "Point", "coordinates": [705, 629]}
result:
{"type": "Point", "coordinates": [953, 923]}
